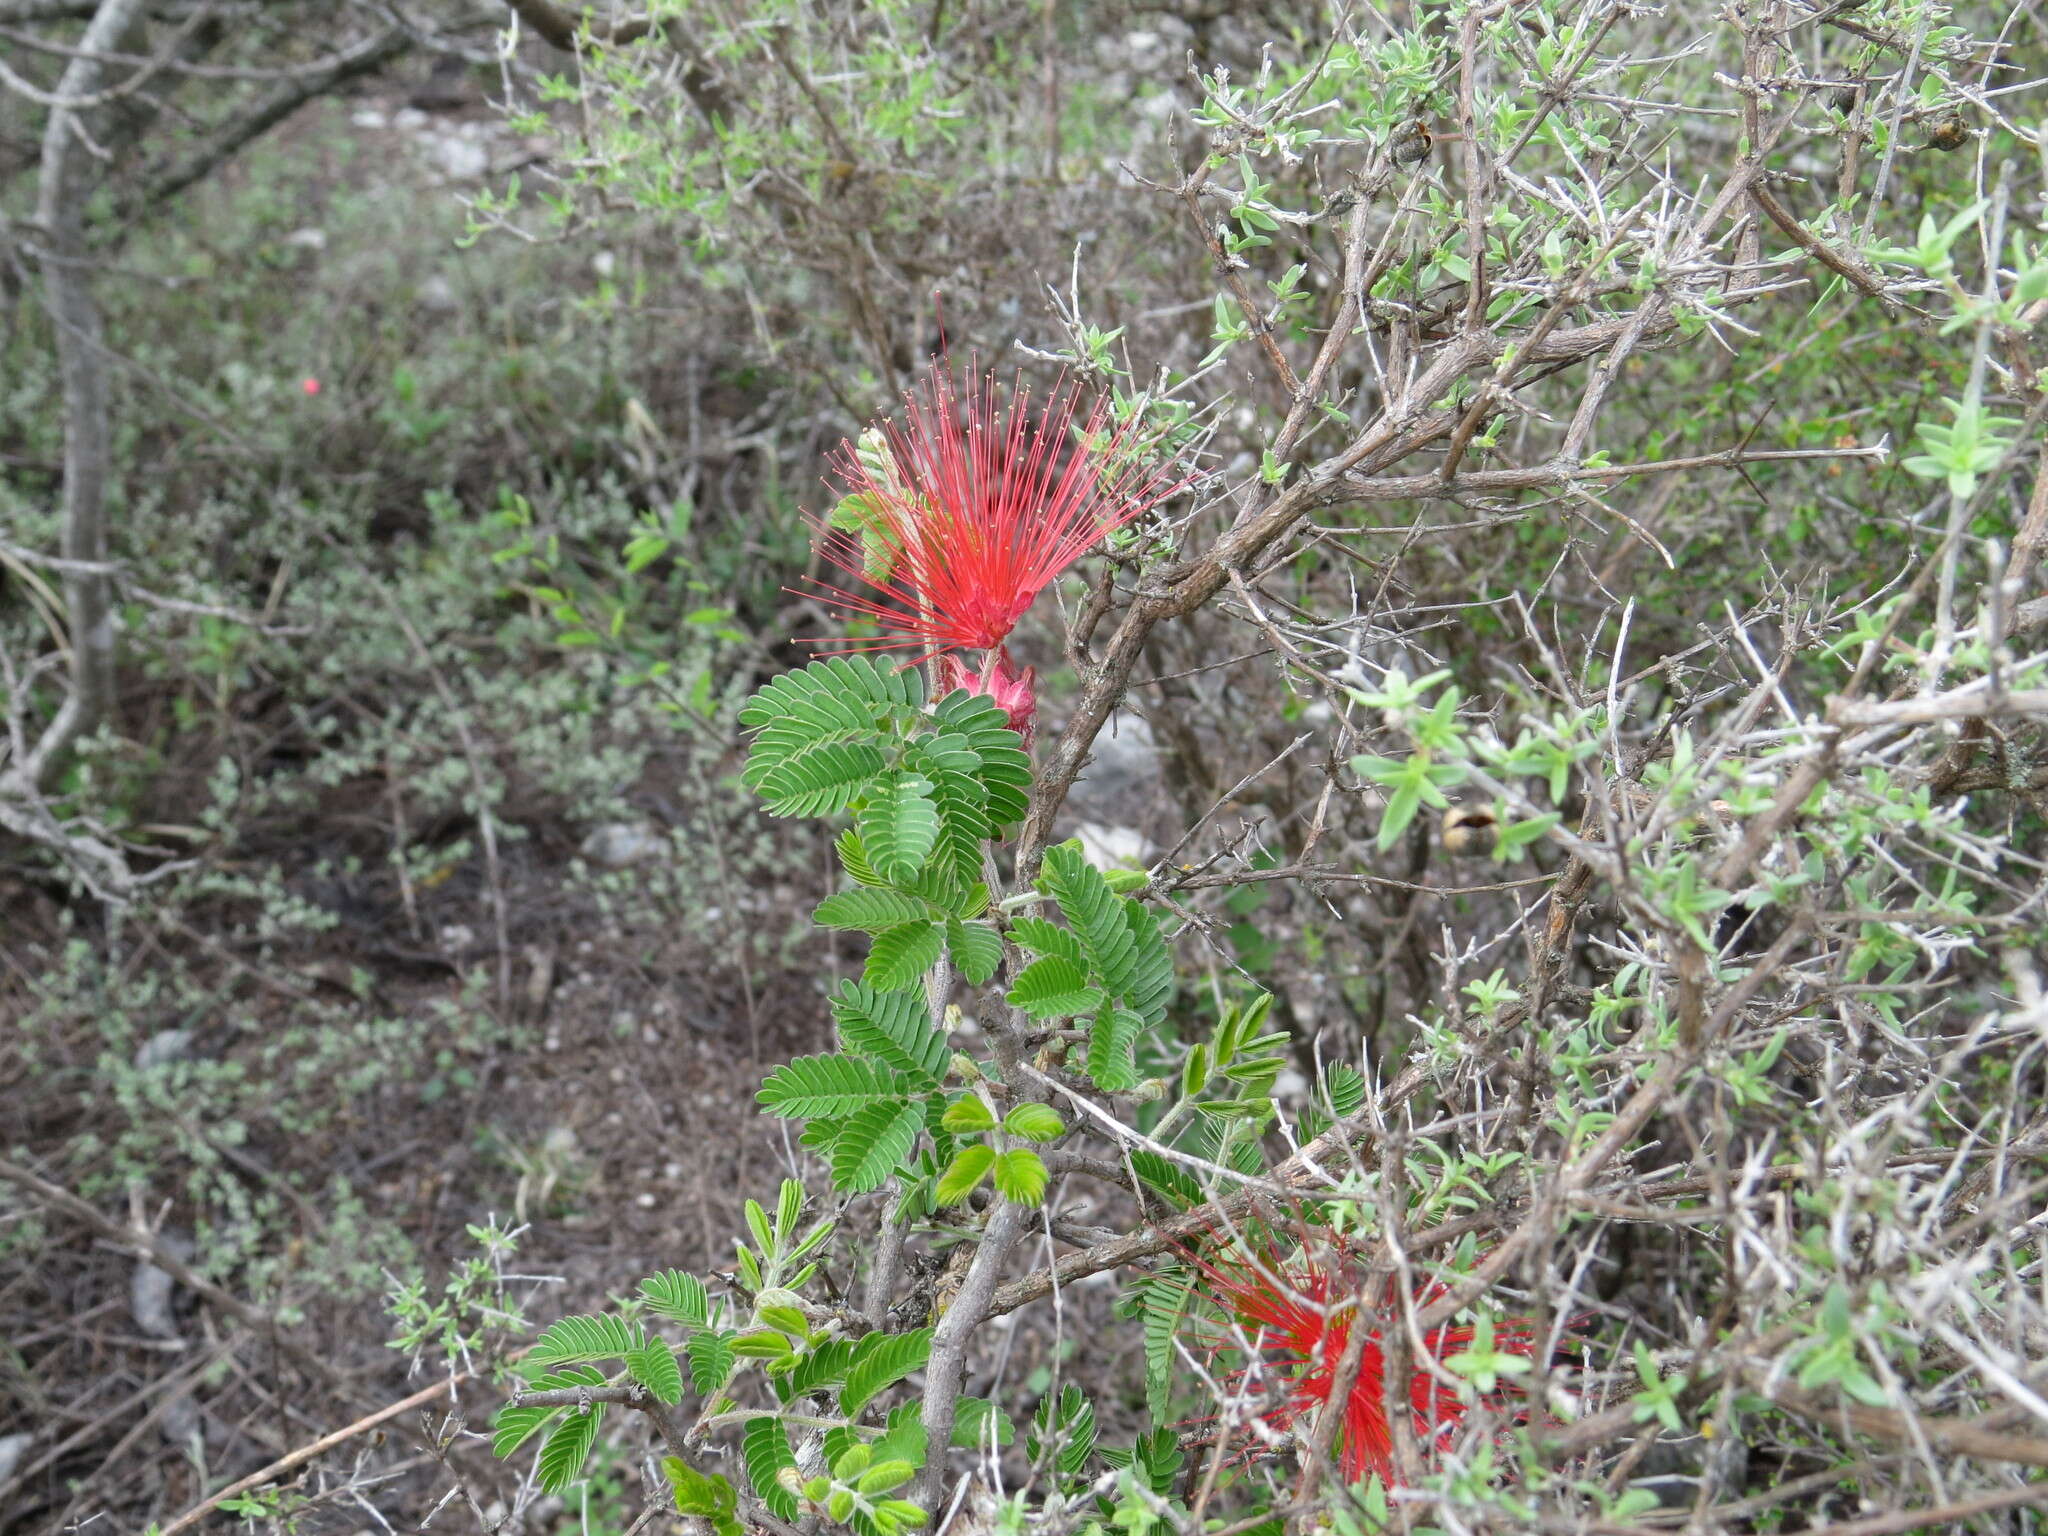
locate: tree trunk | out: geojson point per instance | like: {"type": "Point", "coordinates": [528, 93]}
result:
{"type": "Point", "coordinates": [82, 360]}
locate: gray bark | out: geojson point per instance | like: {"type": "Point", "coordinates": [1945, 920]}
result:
{"type": "Point", "coordinates": [65, 187]}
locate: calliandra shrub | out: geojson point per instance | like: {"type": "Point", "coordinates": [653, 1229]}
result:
{"type": "Point", "coordinates": [1742, 1042]}
{"type": "Point", "coordinates": [1298, 1314]}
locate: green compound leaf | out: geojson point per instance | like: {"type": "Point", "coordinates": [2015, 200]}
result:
{"type": "Point", "coordinates": [893, 1027]}
{"type": "Point", "coordinates": [1344, 1087]}
{"type": "Point", "coordinates": [574, 1340]}
{"type": "Point", "coordinates": [855, 858]}
{"type": "Point", "coordinates": [709, 1498]}
{"type": "Point", "coordinates": [899, 826]}
{"type": "Point", "coordinates": [953, 768]}
{"type": "Point", "coordinates": [829, 1087]}
{"type": "Point", "coordinates": [1110, 1040]}
{"type": "Point", "coordinates": [1053, 987]}
{"type": "Point", "coordinates": [821, 1136]}
{"type": "Point", "coordinates": [1045, 938]}
{"type": "Point", "coordinates": [1148, 987]}
{"type": "Point", "coordinates": [899, 957]}
{"type": "Point", "coordinates": [1164, 1303]}
{"type": "Point", "coordinates": [654, 1366]}
{"type": "Point", "coordinates": [975, 949]}
{"type": "Point", "coordinates": [873, 1144]}
{"type": "Point", "coordinates": [824, 1366]}
{"type": "Point", "coordinates": [881, 1360]}
{"type": "Point", "coordinates": [513, 1427]}
{"type": "Point", "coordinates": [844, 693]}
{"type": "Point", "coordinates": [1094, 912]}
{"type": "Point", "coordinates": [679, 1297]}
{"type": "Point", "coordinates": [869, 911]}
{"type": "Point", "coordinates": [822, 781]}
{"type": "Point", "coordinates": [711, 1358]}
{"type": "Point", "coordinates": [568, 1447]}
{"type": "Point", "coordinates": [1167, 1178]}
{"type": "Point", "coordinates": [965, 1176]}
{"type": "Point", "coordinates": [977, 1420]}
{"type": "Point", "coordinates": [1005, 771]}
{"type": "Point", "coordinates": [1068, 1424]}
{"type": "Point", "coordinates": [765, 1446]}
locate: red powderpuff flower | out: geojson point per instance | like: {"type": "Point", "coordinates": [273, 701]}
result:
{"type": "Point", "coordinates": [1301, 1317]}
{"type": "Point", "coordinates": [975, 506]}
{"type": "Point", "coordinates": [999, 680]}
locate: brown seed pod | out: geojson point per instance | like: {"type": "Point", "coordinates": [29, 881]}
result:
{"type": "Point", "coordinates": [1468, 831]}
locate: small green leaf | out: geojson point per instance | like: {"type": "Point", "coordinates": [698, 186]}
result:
{"type": "Point", "coordinates": [1110, 1062]}
{"type": "Point", "coordinates": [827, 1087]}
{"type": "Point", "coordinates": [967, 1115]}
{"type": "Point", "coordinates": [568, 1447]}
{"type": "Point", "coordinates": [869, 910]}
{"type": "Point", "coordinates": [711, 1360]}
{"type": "Point", "coordinates": [885, 1477]}
{"type": "Point", "coordinates": [970, 1167]}
{"type": "Point", "coordinates": [899, 826]}
{"type": "Point", "coordinates": [900, 956]}
{"type": "Point", "coordinates": [975, 948]}
{"type": "Point", "coordinates": [763, 1344]}
{"type": "Point", "coordinates": [881, 1360]}
{"type": "Point", "coordinates": [821, 781]}
{"type": "Point", "coordinates": [765, 1445]}
{"type": "Point", "coordinates": [677, 1296]}
{"type": "Point", "coordinates": [976, 1419]}
{"type": "Point", "coordinates": [654, 1366]}
{"type": "Point", "coordinates": [1053, 987]}
{"type": "Point", "coordinates": [1035, 1122]}
{"type": "Point", "coordinates": [893, 1027]}
{"type": "Point", "coordinates": [874, 1144]}
{"type": "Point", "coordinates": [709, 1498]}
{"type": "Point", "coordinates": [575, 1340]}
{"type": "Point", "coordinates": [1020, 1176]}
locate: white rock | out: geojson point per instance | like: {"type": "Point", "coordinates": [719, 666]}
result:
{"type": "Point", "coordinates": [436, 294]}
{"type": "Point", "coordinates": [166, 1045]}
{"type": "Point", "coordinates": [1122, 776]}
{"type": "Point", "coordinates": [12, 1449]}
{"type": "Point", "coordinates": [618, 844]}
{"type": "Point", "coordinates": [458, 159]}
{"type": "Point", "coordinates": [1112, 847]}
{"type": "Point", "coordinates": [150, 1291]}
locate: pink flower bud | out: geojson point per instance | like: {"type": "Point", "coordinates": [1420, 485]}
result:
{"type": "Point", "coordinates": [1014, 691]}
